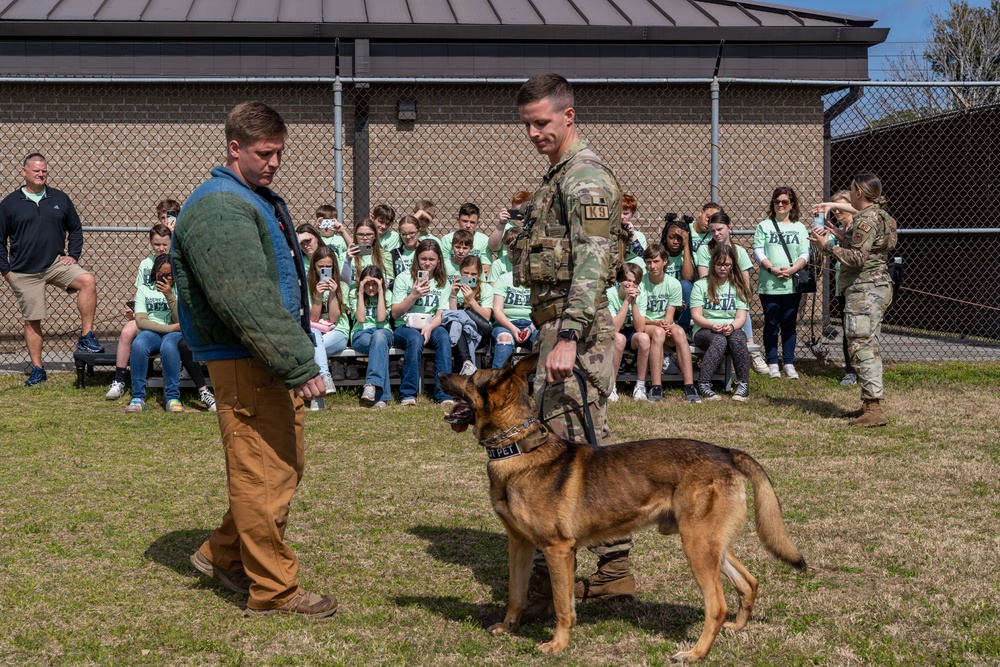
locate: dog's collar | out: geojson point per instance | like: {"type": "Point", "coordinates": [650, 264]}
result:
{"type": "Point", "coordinates": [510, 442]}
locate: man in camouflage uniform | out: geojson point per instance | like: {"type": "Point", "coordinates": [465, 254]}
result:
{"type": "Point", "coordinates": [864, 259]}
{"type": "Point", "coordinates": [564, 254]}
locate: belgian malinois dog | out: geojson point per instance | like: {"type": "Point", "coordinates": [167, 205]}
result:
{"type": "Point", "coordinates": [559, 496]}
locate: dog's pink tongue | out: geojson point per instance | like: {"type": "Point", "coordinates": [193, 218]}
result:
{"type": "Point", "coordinates": [459, 428]}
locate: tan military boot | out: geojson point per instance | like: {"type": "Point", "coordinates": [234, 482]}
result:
{"type": "Point", "coordinates": [612, 579]}
{"type": "Point", "coordinates": [872, 415]}
{"type": "Point", "coordinates": [540, 606]}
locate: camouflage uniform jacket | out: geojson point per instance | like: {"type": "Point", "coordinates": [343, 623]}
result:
{"type": "Point", "coordinates": [570, 282]}
{"type": "Point", "coordinates": [864, 253]}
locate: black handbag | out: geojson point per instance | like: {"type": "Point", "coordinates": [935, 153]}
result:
{"type": "Point", "coordinates": [804, 279]}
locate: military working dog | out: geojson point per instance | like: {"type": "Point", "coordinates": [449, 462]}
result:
{"type": "Point", "coordinates": [560, 496]}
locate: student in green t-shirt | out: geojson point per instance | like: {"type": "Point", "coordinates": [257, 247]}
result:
{"type": "Point", "coordinates": [327, 313]}
{"type": "Point", "coordinates": [409, 236]}
{"type": "Point", "coordinates": [775, 286]}
{"type": "Point", "coordinates": [720, 227]}
{"type": "Point", "coordinates": [663, 300]}
{"type": "Point", "coordinates": [718, 310]}
{"type": "Point", "coordinates": [366, 234]}
{"type": "Point", "coordinates": [420, 296]}
{"type": "Point", "coordinates": [626, 301]}
{"type": "Point", "coordinates": [309, 240]}
{"type": "Point", "coordinates": [496, 238]}
{"type": "Point", "coordinates": [512, 313]}
{"type": "Point", "coordinates": [680, 265]}
{"type": "Point", "coordinates": [471, 293]}
{"type": "Point", "coordinates": [372, 334]}
{"type": "Point", "coordinates": [384, 216]}
{"type": "Point", "coordinates": [468, 219]}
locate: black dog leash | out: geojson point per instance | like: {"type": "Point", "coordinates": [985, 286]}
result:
{"type": "Point", "coordinates": [588, 424]}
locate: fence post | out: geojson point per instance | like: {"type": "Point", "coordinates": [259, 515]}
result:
{"type": "Point", "coordinates": [714, 187]}
{"type": "Point", "coordinates": [338, 145]}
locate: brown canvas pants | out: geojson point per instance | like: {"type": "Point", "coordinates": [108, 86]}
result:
{"type": "Point", "coordinates": [262, 436]}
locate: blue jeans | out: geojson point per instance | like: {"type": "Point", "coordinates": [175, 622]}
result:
{"type": "Point", "coordinates": [780, 314]}
{"type": "Point", "coordinates": [503, 351]}
{"type": "Point", "coordinates": [325, 344]}
{"type": "Point", "coordinates": [412, 343]}
{"type": "Point", "coordinates": [683, 319]}
{"type": "Point", "coordinates": [146, 344]}
{"type": "Point", "coordinates": [375, 343]}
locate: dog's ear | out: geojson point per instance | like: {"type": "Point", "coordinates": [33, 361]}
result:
{"type": "Point", "coordinates": [526, 366]}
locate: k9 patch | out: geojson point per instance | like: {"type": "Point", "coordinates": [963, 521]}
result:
{"type": "Point", "coordinates": [595, 207]}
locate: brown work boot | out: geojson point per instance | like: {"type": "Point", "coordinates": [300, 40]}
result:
{"type": "Point", "coordinates": [540, 606]}
{"type": "Point", "coordinates": [872, 415]}
{"type": "Point", "coordinates": [612, 579]}
{"type": "Point", "coordinates": [855, 413]}
{"type": "Point", "coordinates": [235, 580]}
{"type": "Point", "coordinates": [303, 603]}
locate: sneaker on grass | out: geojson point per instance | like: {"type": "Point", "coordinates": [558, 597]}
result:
{"type": "Point", "coordinates": [409, 400]}
{"type": "Point", "coordinates": [705, 389]}
{"type": "Point", "coordinates": [790, 372]}
{"type": "Point", "coordinates": [849, 380]}
{"type": "Point", "coordinates": [639, 393]}
{"type": "Point", "coordinates": [137, 405]}
{"type": "Point", "coordinates": [691, 394]}
{"type": "Point", "coordinates": [116, 391]}
{"type": "Point", "coordinates": [656, 393]}
{"type": "Point", "coordinates": [758, 364]}
{"type": "Point", "coordinates": [772, 371]}
{"type": "Point", "coordinates": [173, 405]}
{"type": "Point", "coordinates": [613, 397]}
{"type": "Point", "coordinates": [208, 398]}
{"type": "Point", "coordinates": [37, 376]}
{"type": "Point", "coordinates": [368, 395]}
{"type": "Point", "coordinates": [742, 392]}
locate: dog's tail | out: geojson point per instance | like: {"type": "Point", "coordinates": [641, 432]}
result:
{"type": "Point", "coordinates": [767, 511]}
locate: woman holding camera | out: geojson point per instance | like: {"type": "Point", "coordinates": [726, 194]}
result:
{"type": "Point", "coordinates": [864, 275]}
{"type": "Point", "coordinates": [418, 299]}
{"type": "Point", "coordinates": [372, 334]}
{"type": "Point", "coordinates": [473, 296]}
{"type": "Point", "coordinates": [327, 314]}
{"type": "Point", "coordinates": [779, 231]}
{"type": "Point", "coordinates": [159, 331]}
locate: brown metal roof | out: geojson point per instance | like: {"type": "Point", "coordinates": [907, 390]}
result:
{"type": "Point", "coordinates": [651, 13]}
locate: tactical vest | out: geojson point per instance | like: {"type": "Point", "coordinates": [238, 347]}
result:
{"type": "Point", "coordinates": [542, 253]}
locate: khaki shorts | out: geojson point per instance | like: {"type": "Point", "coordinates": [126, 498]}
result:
{"type": "Point", "coordinates": [30, 287]}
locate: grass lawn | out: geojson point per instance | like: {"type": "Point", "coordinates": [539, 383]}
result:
{"type": "Point", "coordinates": [99, 512]}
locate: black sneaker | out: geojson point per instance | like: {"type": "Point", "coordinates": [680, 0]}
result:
{"type": "Point", "coordinates": [37, 376]}
{"type": "Point", "coordinates": [691, 394]}
{"type": "Point", "coordinates": [89, 343]}
{"type": "Point", "coordinates": [705, 389]}
{"type": "Point", "coordinates": [742, 392]}
{"type": "Point", "coordinates": [656, 393]}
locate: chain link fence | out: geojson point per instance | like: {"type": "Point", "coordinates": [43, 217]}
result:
{"type": "Point", "coordinates": [117, 149]}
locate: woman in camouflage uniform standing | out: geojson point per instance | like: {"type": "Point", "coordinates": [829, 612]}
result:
{"type": "Point", "coordinates": [864, 277]}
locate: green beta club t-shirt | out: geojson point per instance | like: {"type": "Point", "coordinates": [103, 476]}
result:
{"type": "Point", "coordinates": [148, 300]}
{"type": "Point", "coordinates": [516, 300]}
{"type": "Point", "coordinates": [766, 237]}
{"type": "Point", "coordinates": [366, 260]}
{"type": "Point", "coordinates": [674, 265]}
{"type": "Point", "coordinates": [615, 302]}
{"type": "Point", "coordinates": [371, 311]}
{"type": "Point", "coordinates": [390, 241]}
{"type": "Point", "coordinates": [659, 297]}
{"type": "Point", "coordinates": [723, 312]}
{"type": "Point", "coordinates": [704, 256]}
{"type": "Point", "coordinates": [142, 275]}
{"type": "Point", "coordinates": [485, 297]}
{"type": "Point", "coordinates": [430, 304]}
{"type": "Point", "coordinates": [402, 260]}
{"type": "Point", "coordinates": [501, 266]}
{"type": "Point", "coordinates": [480, 247]}
{"type": "Point", "coordinates": [339, 246]}
{"type": "Point", "coordinates": [342, 324]}
{"type": "Point", "coordinates": [697, 238]}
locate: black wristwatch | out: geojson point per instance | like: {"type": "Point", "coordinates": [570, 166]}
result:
{"type": "Point", "coordinates": [569, 334]}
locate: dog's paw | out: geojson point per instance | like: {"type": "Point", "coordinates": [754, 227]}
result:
{"type": "Point", "coordinates": [552, 647]}
{"type": "Point", "coordinates": [681, 657]}
{"type": "Point", "coordinates": [500, 629]}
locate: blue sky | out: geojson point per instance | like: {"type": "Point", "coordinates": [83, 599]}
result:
{"type": "Point", "coordinates": [909, 22]}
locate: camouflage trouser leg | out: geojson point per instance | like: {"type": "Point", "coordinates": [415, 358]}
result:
{"type": "Point", "coordinates": [864, 305]}
{"type": "Point", "coordinates": [562, 402]}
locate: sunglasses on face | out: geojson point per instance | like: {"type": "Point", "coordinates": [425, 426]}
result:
{"type": "Point", "coordinates": [781, 202]}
